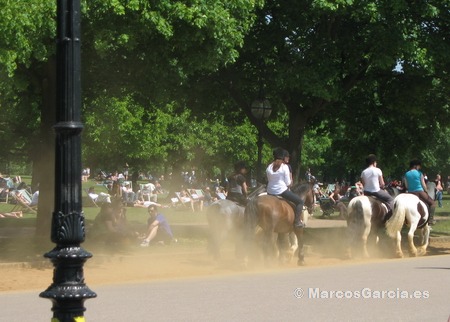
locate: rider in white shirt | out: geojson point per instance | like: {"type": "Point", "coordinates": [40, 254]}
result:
{"type": "Point", "coordinates": [372, 179]}
{"type": "Point", "coordinates": [279, 180]}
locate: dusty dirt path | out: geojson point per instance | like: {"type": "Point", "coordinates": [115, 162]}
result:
{"type": "Point", "coordinates": [183, 260]}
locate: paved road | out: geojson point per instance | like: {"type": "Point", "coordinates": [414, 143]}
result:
{"type": "Point", "coordinates": [270, 296]}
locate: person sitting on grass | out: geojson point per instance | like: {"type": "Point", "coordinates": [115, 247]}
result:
{"type": "Point", "coordinates": [99, 197]}
{"type": "Point", "coordinates": [13, 214]}
{"type": "Point", "coordinates": [110, 224]}
{"type": "Point", "coordinates": [158, 229]}
{"type": "Point", "coordinates": [146, 204]}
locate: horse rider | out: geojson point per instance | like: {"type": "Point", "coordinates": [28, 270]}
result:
{"type": "Point", "coordinates": [279, 180]}
{"type": "Point", "coordinates": [415, 184]}
{"type": "Point", "coordinates": [237, 184]}
{"type": "Point", "coordinates": [373, 182]}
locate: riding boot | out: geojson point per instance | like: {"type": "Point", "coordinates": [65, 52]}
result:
{"type": "Point", "coordinates": [431, 220]}
{"type": "Point", "coordinates": [386, 216]}
{"type": "Point", "coordinates": [298, 223]}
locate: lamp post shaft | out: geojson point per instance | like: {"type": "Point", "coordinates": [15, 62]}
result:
{"type": "Point", "coordinates": [261, 110]}
{"type": "Point", "coordinates": [68, 290]}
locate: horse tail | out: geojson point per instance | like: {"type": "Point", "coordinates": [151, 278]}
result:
{"type": "Point", "coordinates": [395, 223]}
{"type": "Point", "coordinates": [359, 215]}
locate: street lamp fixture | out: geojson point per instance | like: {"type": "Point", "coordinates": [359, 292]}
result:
{"type": "Point", "coordinates": [261, 109]}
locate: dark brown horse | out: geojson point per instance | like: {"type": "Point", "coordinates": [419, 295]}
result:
{"type": "Point", "coordinates": [275, 217]}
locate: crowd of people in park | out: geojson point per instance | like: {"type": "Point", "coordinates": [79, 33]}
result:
{"type": "Point", "coordinates": [144, 190]}
{"type": "Point", "coordinates": [139, 189]}
{"type": "Point", "coordinates": [14, 190]}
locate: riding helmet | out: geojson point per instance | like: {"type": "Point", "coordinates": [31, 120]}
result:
{"type": "Point", "coordinates": [280, 153]}
{"type": "Point", "coordinates": [239, 166]}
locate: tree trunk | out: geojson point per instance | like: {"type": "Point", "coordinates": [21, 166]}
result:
{"type": "Point", "coordinates": [297, 125]}
{"type": "Point", "coordinates": [44, 158]}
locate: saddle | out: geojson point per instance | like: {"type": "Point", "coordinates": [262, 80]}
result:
{"type": "Point", "coordinates": [422, 220]}
{"type": "Point", "coordinates": [388, 214]}
{"type": "Point", "coordinates": [289, 202]}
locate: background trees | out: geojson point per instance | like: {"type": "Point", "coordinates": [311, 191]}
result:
{"type": "Point", "coordinates": [348, 66]}
{"type": "Point", "coordinates": [133, 51]}
{"type": "Point", "coordinates": [169, 85]}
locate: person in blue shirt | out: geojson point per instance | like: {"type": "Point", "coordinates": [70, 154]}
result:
{"type": "Point", "coordinates": [415, 184]}
{"type": "Point", "coordinates": [158, 228]}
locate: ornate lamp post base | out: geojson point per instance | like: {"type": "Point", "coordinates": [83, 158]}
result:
{"type": "Point", "coordinates": [68, 291]}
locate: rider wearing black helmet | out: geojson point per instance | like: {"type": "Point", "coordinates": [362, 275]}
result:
{"type": "Point", "coordinates": [279, 180]}
{"type": "Point", "coordinates": [237, 185]}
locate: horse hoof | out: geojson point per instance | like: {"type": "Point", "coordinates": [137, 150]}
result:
{"type": "Point", "coordinates": [422, 253]}
{"type": "Point", "coordinates": [399, 255]}
{"type": "Point", "coordinates": [301, 262]}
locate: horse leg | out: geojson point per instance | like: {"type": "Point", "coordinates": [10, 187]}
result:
{"type": "Point", "coordinates": [239, 249]}
{"type": "Point", "coordinates": [425, 234]}
{"type": "Point", "coordinates": [301, 251]}
{"type": "Point", "coordinates": [348, 248]}
{"type": "Point", "coordinates": [294, 244]}
{"type": "Point", "coordinates": [214, 241]}
{"type": "Point", "coordinates": [398, 245]}
{"type": "Point", "coordinates": [283, 246]}
{"type": "Point", "coordinates": [352, 231]}
{"type": "Point", "coordinates": [364, 238]}
{"type": "Point", "coordinates": [412, 247]}
{"type": "Point", "coordinates": [269, 246]}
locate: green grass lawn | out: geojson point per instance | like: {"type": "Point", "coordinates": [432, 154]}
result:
{"type": "Point", "coordinates": [182, 215]}
{"type": "Point", "coordinates": [442, 226]}
{"type": "Point", "coordinates": [177, 215]}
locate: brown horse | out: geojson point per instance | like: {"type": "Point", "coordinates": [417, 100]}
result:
{"type": "Point", "coordinates": [275, 217]}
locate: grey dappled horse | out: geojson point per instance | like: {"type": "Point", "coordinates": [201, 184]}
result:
{"type": "Point", "coordinates": [225, 218]}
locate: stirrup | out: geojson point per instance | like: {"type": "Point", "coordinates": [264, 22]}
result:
{"type": "Point", "coordinates": [300, 224]}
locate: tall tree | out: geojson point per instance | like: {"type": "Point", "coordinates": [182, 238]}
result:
{"type": "Point", "coordinates": [308, 56]}
{"type": "Point", "coordinates": [128, 46]}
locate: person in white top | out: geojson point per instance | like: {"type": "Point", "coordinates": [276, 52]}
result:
{"type": "Point", "coordinates": [279, 180]}
{"type": "Point", "coordinates": [373, 182]}
{"type": "Point", "coordinates": [99, 197]}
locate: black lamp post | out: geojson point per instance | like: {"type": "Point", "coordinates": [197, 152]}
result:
{"type": "Point", "coordinates": [68, 290]}
{"type": "Point", "coordinates": [261, 109]}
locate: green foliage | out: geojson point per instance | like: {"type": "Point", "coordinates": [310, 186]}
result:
{"type": "Point", "coordinates": [158, 76]}
{"type": "Point", "coordinates": [27, 28]}
{"type": "Point", "coordinates": [119, 130]}
{"type": "Point", "coordinates": [312, 58]}
{"type": "Point", "coordinates": [152, 47]}
{"type": "Point", "coordinates": [316, 142]}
